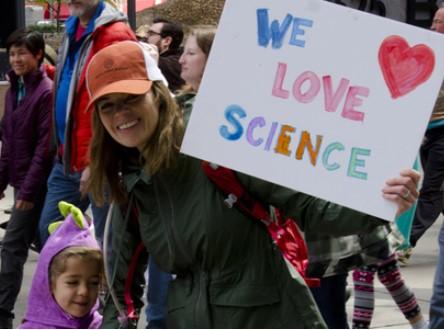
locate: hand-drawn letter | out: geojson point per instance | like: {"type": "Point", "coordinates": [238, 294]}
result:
{"type": "Point", "coordinates": [276, 32]}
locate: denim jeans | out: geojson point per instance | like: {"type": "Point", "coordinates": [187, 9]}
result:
{"type": "Point", "coordinates": [158, 283]}
{"type": "Point", "coordinates": [65, 187]}
{"type": "Point", "coordinates": [331, 299]}
{"type": "Point", "coordinates": [437, 300]}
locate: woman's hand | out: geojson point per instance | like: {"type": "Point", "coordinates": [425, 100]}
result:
{"type": "Point", "coordinates": [23, 205]}
{"type": "Point", "coordinates": [84, 181]}
{"type": "Point", "coordinates": [402, 190]}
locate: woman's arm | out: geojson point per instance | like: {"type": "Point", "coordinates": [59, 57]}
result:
{"type": "Point", "coordinates": [323, 217]}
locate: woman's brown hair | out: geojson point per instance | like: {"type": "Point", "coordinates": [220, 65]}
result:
{"type": "Point", "coordinates": [107, 156]}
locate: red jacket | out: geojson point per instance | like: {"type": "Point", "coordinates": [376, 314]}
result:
{"type": "Point", "coordinates": [110, 27]}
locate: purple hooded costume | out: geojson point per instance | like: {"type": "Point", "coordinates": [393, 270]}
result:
{"type": "Point", "coordinates": [42, 310]}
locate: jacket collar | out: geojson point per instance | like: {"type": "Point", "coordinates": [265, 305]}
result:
{"type": "Point", "coordinates": [134, 176]}
{"type": "Point", "coordinates": [29, 79]}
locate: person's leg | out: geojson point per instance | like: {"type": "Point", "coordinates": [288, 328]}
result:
{"type": "Point", "coordinates": [19, 235]}
{"type": "Point", "coordinates": [331, 300]}
{"type": "Point", "coordinates": [430, 200]}
{"type": "Point", "coordinates": [61, 187]}
{"type": "Point", "coordinates": [158, 283]}
{"type": "Point", "coordinates": [390, 276]}
{"type": "Point", "coordinates": [437, 300]}
{"type": "Point", "coordinates": [364, 296]}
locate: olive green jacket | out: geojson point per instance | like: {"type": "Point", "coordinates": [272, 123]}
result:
{"type": "Point", "coordinates": [229, 273]}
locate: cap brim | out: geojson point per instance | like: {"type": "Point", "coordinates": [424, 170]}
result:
{"type": "Point", "coordinates": [137, 87]}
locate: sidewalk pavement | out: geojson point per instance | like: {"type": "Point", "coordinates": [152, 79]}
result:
{"type": "Point", "coordinates": [418, 276]}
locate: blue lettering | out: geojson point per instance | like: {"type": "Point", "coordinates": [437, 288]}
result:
{"type": "Point", "coordinates": [275, 31]}
{"type": "Point", "coordinates": [231, 112]}
{"type": "Point", "coordinates": [297, 22]}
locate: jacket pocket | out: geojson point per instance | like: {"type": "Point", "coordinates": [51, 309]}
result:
{"type": "Point", "coordinates": [179, 294]}
{"type": "Point", "coordinates": [252, 306]}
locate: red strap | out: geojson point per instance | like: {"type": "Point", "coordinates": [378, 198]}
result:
{"type": "Point", "coordinates": [132, 313]}
{"type": "Point", "coordinates": [290, 242]}
{"type": "Point", "coordinates": [226, 180]}
{"type": "Point", "coordinates": [285, 235]}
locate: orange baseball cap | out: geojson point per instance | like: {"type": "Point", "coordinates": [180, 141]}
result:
{"type": "Point", "coordinates": [123, 67]}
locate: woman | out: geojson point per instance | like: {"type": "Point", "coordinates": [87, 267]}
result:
{"type": "Point", "coordinates": [193, 61]}
{"type": "Point", "coordinates": [25, 159]}
{"type": "Point", "coordinates": [228, 272]}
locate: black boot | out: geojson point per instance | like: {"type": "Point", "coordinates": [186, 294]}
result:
{"type": "Point", "coordinates": [5, 322]}
{"type": "Point", "coordinates": [6, 319]}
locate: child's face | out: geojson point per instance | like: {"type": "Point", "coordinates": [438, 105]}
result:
{"type": "Point", "coordinates": [22, 60]}
{"type": "Point", "coordinates": [76, 289]}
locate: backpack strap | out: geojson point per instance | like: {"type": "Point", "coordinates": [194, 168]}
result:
{"type": "Point", "coordinates": [132, 316]}
{"type": "Point", "coordinates": [131, 310]}
{"type": "Point", "coordinates": [227, 182]}
{"type": "Point", "coordinates": [285, 235]}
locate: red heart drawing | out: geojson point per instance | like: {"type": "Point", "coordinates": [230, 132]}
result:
{"type": "Point", "coordinates": [404, 67]}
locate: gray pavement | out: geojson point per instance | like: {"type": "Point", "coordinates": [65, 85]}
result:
{"type": "Point", "coordinates": [418, 276]}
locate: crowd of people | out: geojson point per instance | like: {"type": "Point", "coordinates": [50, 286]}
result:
{"type": "Point", "coordinates": [105, 132]}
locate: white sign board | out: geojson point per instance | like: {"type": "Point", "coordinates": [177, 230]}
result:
{"type": "Point", "coordinates": [317, 97]}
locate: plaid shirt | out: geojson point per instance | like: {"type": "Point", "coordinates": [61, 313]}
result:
{"type": "Point", "coordinates": [335, 255]}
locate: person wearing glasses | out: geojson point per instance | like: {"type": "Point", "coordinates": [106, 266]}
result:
{"type": "Point", "coordinates": [167, 36]}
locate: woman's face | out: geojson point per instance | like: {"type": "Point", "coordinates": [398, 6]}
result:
{"type": "Point", "coordinates": [193, 62]}
{"type": "Point", "coordinates": [130, 119]}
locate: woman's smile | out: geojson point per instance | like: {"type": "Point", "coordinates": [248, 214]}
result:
{"type": "Point", "coordinates": [128, 125]}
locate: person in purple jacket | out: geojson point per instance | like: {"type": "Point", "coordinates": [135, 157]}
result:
{"type": "Point", "coordinates": [25, 160]}
{"type": "Point", "coordinates": [66, 282]}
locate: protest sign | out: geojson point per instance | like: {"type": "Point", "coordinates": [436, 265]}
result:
{"type": "Point", "coordinates": [316, 97]}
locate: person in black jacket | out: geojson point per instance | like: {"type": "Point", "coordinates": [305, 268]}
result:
{"type": "Point", "coordinates": [167, 37]}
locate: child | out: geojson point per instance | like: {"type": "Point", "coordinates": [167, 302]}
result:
{"type": "Point", "coordinates": [389, 273]}
{"type": "Point", "coordinates": [26, 158]}
{"type": "Point", "coordinates": [66, 295]}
